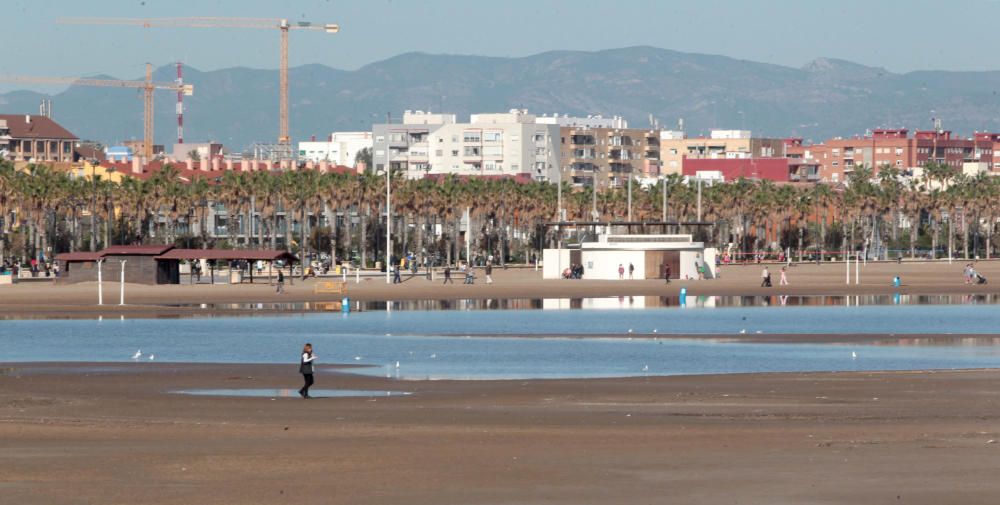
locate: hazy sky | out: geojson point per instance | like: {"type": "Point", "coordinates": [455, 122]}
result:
{"type": "Point", "coordinates": [901, 35]}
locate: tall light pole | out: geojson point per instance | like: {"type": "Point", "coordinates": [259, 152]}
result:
{"type": "Point", "coordinates": [699, 199]}
{"type": "Point", "coordinates": [663, 182]}
{"type": "Point", "coordinates": [388, 207]}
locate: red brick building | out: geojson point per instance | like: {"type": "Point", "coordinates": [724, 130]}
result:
{"type": "Point", "coordinates": [774, 169]}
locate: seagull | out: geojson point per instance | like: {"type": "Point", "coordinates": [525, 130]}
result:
{"type": "Point", "coordinates": [357, 358]}
{"type": "Point", "coordinates": [434, 355]}
{"type": "Point", "coordinates": [137, 355]}
{"type": "Point", "coordinates": [645, 368]}
{"type": "Point", "coordinates": [397, 364]}
{"type": "Point", "coordinates": [152, 357]}
{"type": "Point", "coordinates": [654, 330]}
{"type": "Point", "coordinates": [630, 330]}
{"type": "Point", "coordinates": [854, 355]}
{"type": "Point", "coordinates": [743, 331]}
{"type": "Point", "coordinates": [759, 332]}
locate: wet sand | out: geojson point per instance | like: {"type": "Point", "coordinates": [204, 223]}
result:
{"type": "Point", "coordinates": [79, 300]}
{"type": "Point", "coordinates": [110, 434]}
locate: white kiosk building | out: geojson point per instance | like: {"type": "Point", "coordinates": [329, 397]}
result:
{"type": "Point", "coordinates": [647, 253]}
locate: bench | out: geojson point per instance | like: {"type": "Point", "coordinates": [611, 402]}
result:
{"type": "Point", "coordinates": [330, 287]}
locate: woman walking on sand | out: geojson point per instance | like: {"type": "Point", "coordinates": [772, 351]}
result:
{"type": "Point", "coordinates": [306, 369]}
{"type": "Point", "coordinates": [784, 279]}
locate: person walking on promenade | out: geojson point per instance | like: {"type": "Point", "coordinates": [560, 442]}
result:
{"type": "Point", "coordinates": [281, 282]}
{"type": "Point", "coordinates": [306, 369]}
{"type": "Point", "coordinates": [395, 275]}
{"type": "Point", "coordinates": [621, 271]}
{"type": "Point", "coordinates": [765, 278]}
{"type": "Point", "coordinates": [631, 270]}
{"type": "Point", "coordinates": [666, 272]}
{"type": "Point", "coordinates": [784, 278]}
{"type": "Point", "coordinates": [489, 272]}
{"type": "Point", "coordinates": [447, 274]}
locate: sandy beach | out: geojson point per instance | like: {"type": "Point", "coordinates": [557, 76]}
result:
{"type": "Point", "coordinates": [112, 434]}
{"type": "Point", "coordinates": [44, 299]}
{"type": "Point", "coordinates": [118, 433]}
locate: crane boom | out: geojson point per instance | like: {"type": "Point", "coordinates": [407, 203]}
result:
{"type": "Point", "coordinates": [204, 22]}
{"type": "Point", "coordinates": [187, 89]}
{"type": "Point", "coordinates": [225, 22]}
{"type": "Point", "coordinates": [147, 86]}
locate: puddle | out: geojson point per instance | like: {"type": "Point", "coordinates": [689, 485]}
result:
{"type": "Point", "coordinates": [292, 393]}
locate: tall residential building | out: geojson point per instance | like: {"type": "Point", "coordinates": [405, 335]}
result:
{"type": "Point", "coordinates": [605, 152]}
{"type": "Point", "coordinates": [508, 144]}
{"type": "Point", "coordinates": [341, 148]}
{"type": "Point", "coordinates": [500, 144]}
{"type": "Point", "coordinates": [719, 144]}
{"type": "Point", "coordinates": [403, 146]}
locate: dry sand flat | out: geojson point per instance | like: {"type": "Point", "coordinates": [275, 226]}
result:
{"type": "Point", "coordinates": [114, 436]}
{"type": "Point", "coordinates": [932, 278]}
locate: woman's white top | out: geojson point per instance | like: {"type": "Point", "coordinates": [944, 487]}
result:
{"type": "Point", "coordinates": [306, 358]}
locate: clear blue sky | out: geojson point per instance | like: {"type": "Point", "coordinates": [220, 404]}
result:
{"type": "Point", "coordinates": [901, 35]}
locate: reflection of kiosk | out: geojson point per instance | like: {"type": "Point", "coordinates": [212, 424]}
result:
{"type": "Point", "coordinates": [648, 253]}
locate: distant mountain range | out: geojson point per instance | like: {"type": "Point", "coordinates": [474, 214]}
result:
{"type": "Point", "coordinates": [825, 98]}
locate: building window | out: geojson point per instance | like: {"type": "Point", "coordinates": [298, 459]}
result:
{"type": "Point", "coordinates": [380, 138]}
{"type": "Point", "coordinates": [540, 151]}
{"type": "Point", "coordinates": [493, 151]}
{"type": "Point", "coordinates": [514, 167]}
{"type": "Point", "coordinates": [539, 137]}
{"type": "Point", "coordinates": [472, 151]}
{"type": "Point", "coordinates": [515, 138]}
{"type": "Point", "coordinates": [439, 153]}
{"type": "Point", "coordinates": [396, 137]}
{"type": "Point", "coordinates": [899, 151]}
{"type": "Point", "coordinates": [835, 163]}
{"type": "Point", "coordinates": [454, 152]}
{"type": "Point", "coordinates": [472, 137]}
{"type": "Point", "coordinates": [491, 136]}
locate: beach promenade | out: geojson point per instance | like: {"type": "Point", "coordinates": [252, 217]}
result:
{"type": "Point", "coordinates": [44, 299]}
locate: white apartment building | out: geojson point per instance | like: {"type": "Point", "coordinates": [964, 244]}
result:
{"type": "Point", "coordinates": [499, 144]}
{"type": "Point", "coordinates": [404, 146]}
{"type": "Point", "coordinates": [510, 144]}
{"type": "Point", "coordinates": [340, 149]}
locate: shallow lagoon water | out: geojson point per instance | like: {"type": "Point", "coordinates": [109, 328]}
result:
{"type": "Point", "coordinates": [291, 393]}
{"type": "Point", "coordinates": [434, 345]}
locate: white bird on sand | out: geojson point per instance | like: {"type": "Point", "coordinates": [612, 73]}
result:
{"type": "Point", "coordinates": [743, 331]}
{"type": "Point", "coordinates": [854, 355]}
{"type": "Point", "coordinates": [654, 330]}
{"type": "Point", "coordinates": [645, 368]}
{"type": "Point", "coordinates": [357, 358]}
{"type": "Point", "coordinates": [630, 330]}
{"type": "Point", "coordinates": [152, 357]}
{"type": "Point", "coordinates": [137, 355]}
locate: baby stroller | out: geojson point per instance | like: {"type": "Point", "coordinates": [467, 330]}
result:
{"type": "Point", "coordinates": [980, 279]}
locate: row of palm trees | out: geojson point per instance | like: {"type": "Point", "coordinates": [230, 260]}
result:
{"type": "Point", "coordinates": [342, 216]}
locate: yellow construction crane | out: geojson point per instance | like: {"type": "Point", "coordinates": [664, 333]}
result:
{"type": "Point", "coordinates": [147, 86]}
{"type": "Point", "coordinates": [283, 25]}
